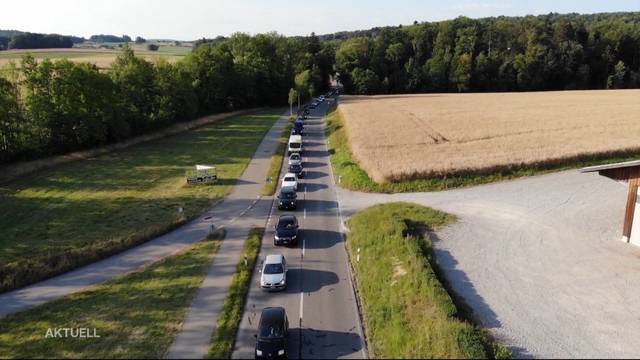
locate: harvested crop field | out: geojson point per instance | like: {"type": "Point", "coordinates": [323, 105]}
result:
{"type": "Point", "coordinates": [428, 135]}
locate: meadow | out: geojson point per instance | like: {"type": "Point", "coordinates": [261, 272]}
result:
{"type": "Point", "coordinates": [406, 137]}
{"type": "Point", "coordinates": [101, 57]}
{"type": "Point", "coordinates": [85, 210]}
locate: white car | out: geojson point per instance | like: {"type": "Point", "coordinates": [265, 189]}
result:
{"type": "Point", "coordinates": [274, 273]}
{"type": "Point", "coordinates": [290, 179]}
{"type": "Point", "coordinates": [295, 159]}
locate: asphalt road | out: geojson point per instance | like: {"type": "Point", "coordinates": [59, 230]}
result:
{"type": "Point", "coordinates": [539, 262]}
{"type": "Point", "coordinates": [319, 299]}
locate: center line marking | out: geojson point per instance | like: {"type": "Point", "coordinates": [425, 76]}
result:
{"type": "Point", "coordinates": [301, 305]}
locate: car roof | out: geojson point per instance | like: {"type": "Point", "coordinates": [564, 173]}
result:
{"type": "Point", "coordinates": [289, 175]}
{"type": "Point", "coordinates": [287, 217]}
{"type": "Point", "coordinates": [295, 138]}
{"type": "Point", "coordinates": [272, 315]}
{"type": "Point", "coordinates": [274, 259]}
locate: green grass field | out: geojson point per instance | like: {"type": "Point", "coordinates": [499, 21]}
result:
{"type": "Point", "coordinates": [224, 336]}
{"type": "Point", "coordinates": [82, 211]}
{"type": "Point", "coordinates": [407, 311]}
{"type": "Point", "coordinates": [136, 316]}
{"type": "Point", "coordinates": [101, 57]}
{"type": "Point", "coordinates": [352, 176]}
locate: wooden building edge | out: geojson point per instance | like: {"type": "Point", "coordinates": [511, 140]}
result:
{"type": "Point", "coordinates": [626, 172]}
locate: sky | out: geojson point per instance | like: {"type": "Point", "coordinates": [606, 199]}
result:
{"type": "Point", "coordinates": [194, 19]}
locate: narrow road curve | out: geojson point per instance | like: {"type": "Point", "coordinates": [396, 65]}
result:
{"type": "Point", "coordinates": [319, 299]}
{"type": "Point", "coordinates": [244, 196]}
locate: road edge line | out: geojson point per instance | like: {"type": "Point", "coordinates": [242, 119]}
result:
{"type": "Point", "coordinates": [352, 279]}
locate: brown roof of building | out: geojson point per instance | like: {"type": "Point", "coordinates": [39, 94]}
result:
{"type": "Point", "coordinates": [622, 165]}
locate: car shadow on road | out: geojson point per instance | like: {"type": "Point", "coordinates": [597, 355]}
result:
{"type": "Point", "coordinates": [311, 280]}
{"type": "Point", "coordinates": [315, 153]}
{"type": "Point", "coordinates": [320, 239]}
{"type": "Point", "coordinates": [319, 206]}
{"type": "Point", "coordinates": [312, 164]}
{"type": "Point", "coordinates": [323, 344]}
{"type": "Point", "coordinates": [311, 175]}
{"type": "Point", "coordinates": [313, 187]}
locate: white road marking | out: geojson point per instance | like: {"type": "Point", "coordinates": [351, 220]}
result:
{"type": "Point", "coordinates": [304, 215]}
{"type": "Point", "coordinates": [301, 305]}
{"type": "Point", "coordinates": [303, 247]}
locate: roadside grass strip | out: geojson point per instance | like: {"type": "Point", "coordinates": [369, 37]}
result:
{"type": "Point", "coordinates": [350, 175]}
{"type": "Point", "coordinates": [229, 318]}
{"type": "Point", "coordinates": [406, 310]}
{"type": "Point", "coordinates": [83, 211]}
{"type": "Point", "coordinates": [135, 316]}
{"type": "Point", "coordinates": [269, 188]}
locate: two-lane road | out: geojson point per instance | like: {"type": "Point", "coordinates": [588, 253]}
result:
{"type": "Point", "coordinates": [319, 300]}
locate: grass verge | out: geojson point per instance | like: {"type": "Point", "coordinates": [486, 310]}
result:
{"type": "Point", "coordinates": [351, 176]}
{"type": "Point", "coordinates": [83, 211]}
{"type": "Point", "coordinates": [407, 311]}
{"type": "Point", "coordinates": [135, 316]}
{"type": "Point", "coordinates": [229, 318]}
{"type": "Point", "coordinates": [269, 188]}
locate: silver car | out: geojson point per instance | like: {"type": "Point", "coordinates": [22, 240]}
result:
{"type": "Point", "coordinates": [295, 159]}
{"type": "Point", "coordinates": [274, 273]}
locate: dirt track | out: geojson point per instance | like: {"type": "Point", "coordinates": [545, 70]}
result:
{"type": "Point", "coordinates": [540, 262]}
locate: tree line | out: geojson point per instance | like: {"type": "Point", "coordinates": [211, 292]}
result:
{"type": "Point", "coordinates": [548, 52]}
{"type": "Point", "coordinates": [52, 107]}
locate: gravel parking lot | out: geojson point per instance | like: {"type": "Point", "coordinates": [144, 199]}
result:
{"type": "Point", "coordinates": [540, 262]}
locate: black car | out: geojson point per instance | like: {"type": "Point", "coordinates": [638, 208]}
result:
{"type": "Point", "coordinates": [273, 330]}
{"type": "Point", "coordinates": [297, 127]}
{"type": "Point", "coordinates": [286, 230]}
{"type": "Point", "coordinates": [296, 169]}
{"type": "Point", "coordinates": [287, 199]}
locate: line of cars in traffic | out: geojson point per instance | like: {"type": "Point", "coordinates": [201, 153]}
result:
{"type": "Point", "coordinates": [273, 327]}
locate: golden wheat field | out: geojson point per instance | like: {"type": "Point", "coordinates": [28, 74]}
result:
{"type": "Point", "coordinates": [410, 136]}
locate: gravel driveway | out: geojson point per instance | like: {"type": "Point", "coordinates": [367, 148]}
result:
{"type": "Point", "coordinates": [540, 262]}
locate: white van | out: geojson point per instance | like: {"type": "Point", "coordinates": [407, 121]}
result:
{"type": "Point", "coordinates": [295, 144]}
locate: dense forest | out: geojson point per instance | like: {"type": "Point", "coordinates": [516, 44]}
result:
{"type": "Point", "coordinates": [110, 38]}
{"type": "Point", "coordinates": [54, 107]}
{"type": "Point", "coordinates": [549, 52]}
{"type": "Point", "coordinates": [13, 39]}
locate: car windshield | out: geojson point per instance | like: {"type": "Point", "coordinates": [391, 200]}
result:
{"type": "Point", "coordinates": [294, 167]}
{"type": "Point", "coordinates": [295, 157]}
{"type": "Point", "coordinates": [287, 224]}
{"type": "Point", "coordinates": [270, 269]}
{"type": "Point", "coordinates": [287, 195]}
{"type": "Point", "coordinates": [271, 331]}
{"type": "Point", "coordinates": [289, 179]}
{"type": "Point", "coordinates": [294, 145]}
